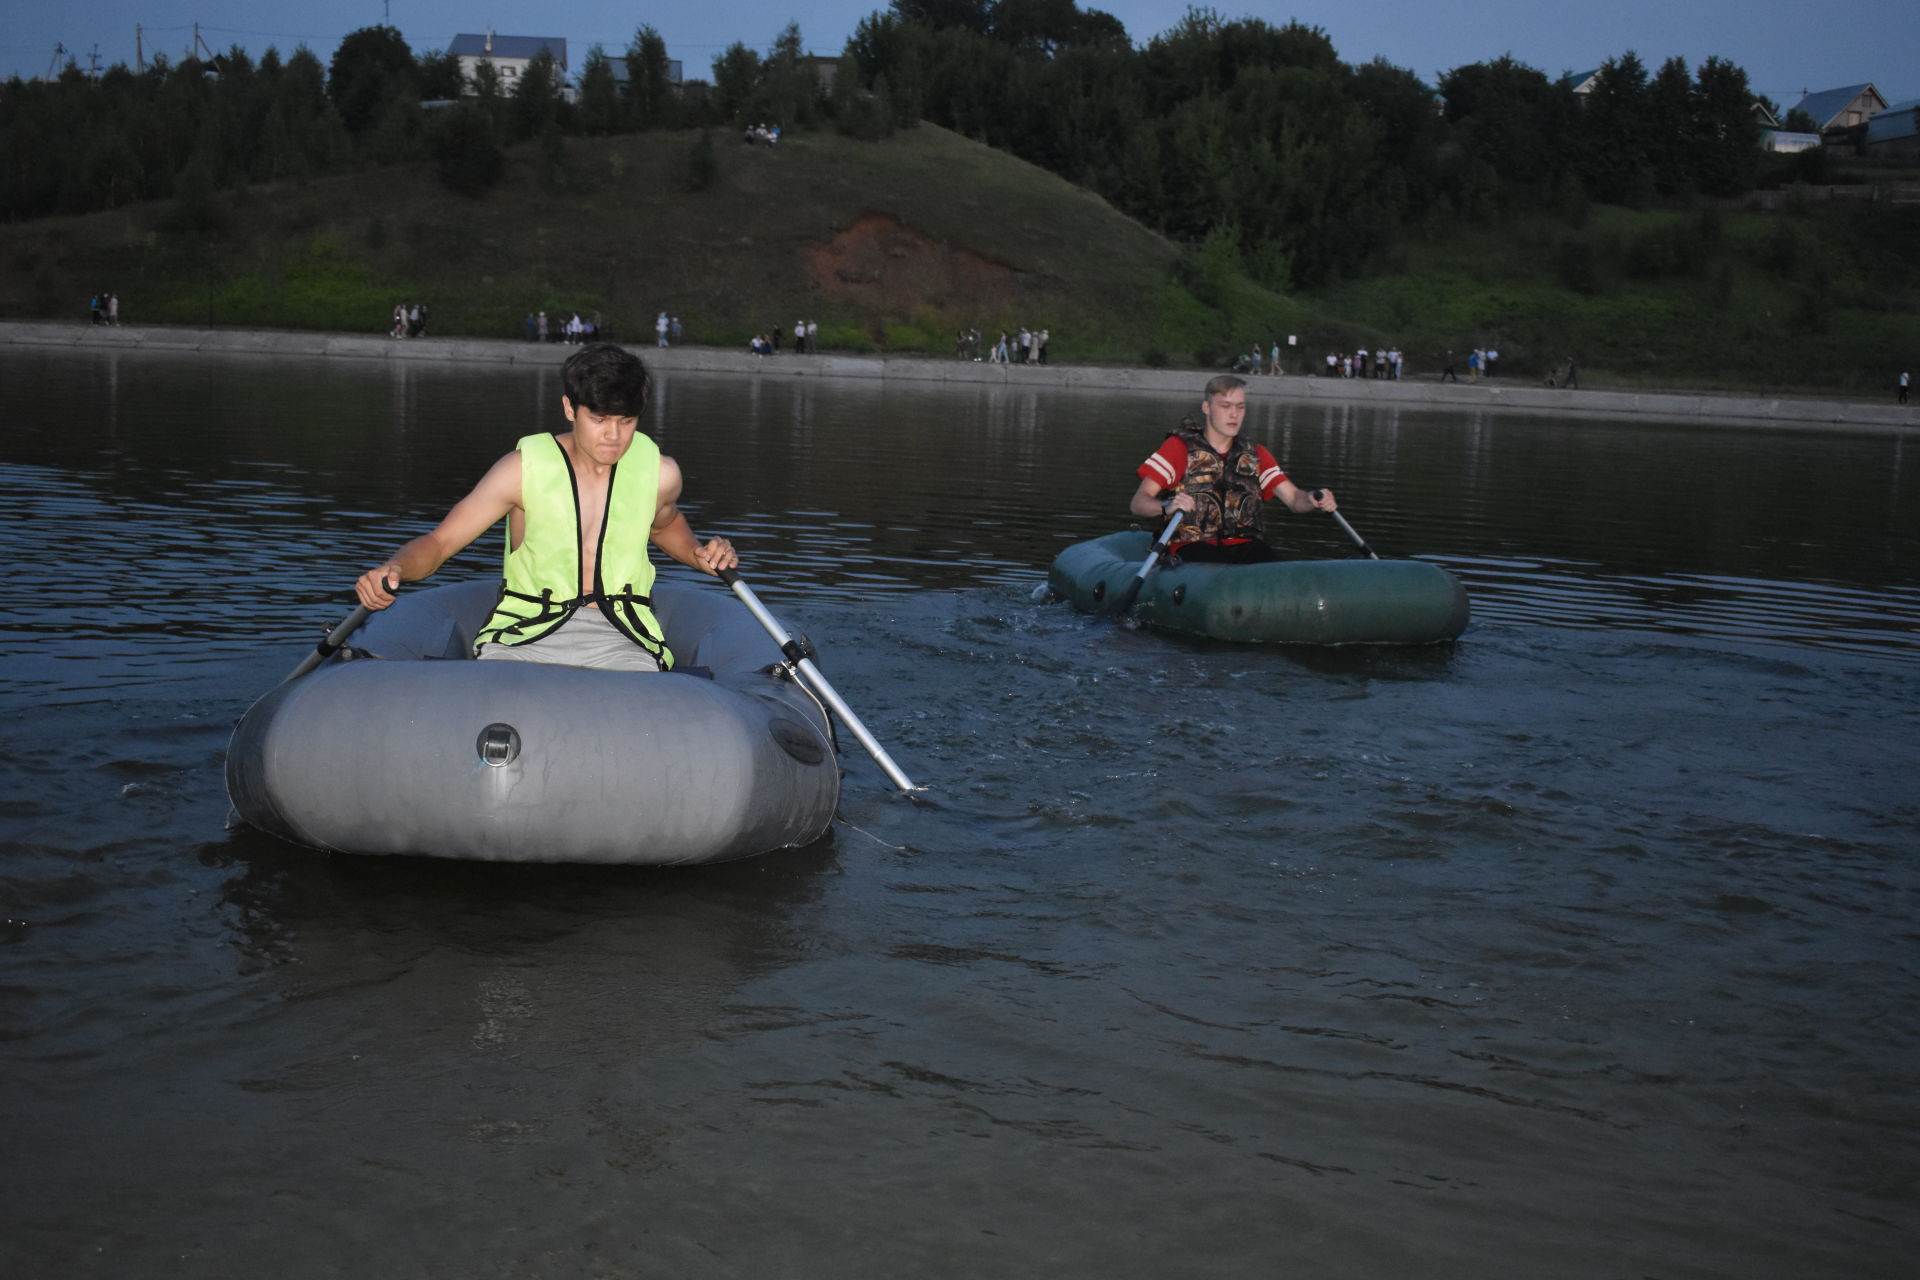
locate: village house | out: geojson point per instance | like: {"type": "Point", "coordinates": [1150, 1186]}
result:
{"type": "Point", "coordinates": [1832, 109]}
{"type": "Point", "coordinates": [510, 55]}
{"type": "Point", "coordinates": [1896, 131]}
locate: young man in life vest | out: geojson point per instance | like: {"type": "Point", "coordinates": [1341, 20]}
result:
{"type": "Point", "coordinates": [1220, 481]}
{"type": "Point", "coordinates": [580, 507]}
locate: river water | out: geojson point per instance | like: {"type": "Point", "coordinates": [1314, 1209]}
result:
{"type": "Point", "coordinates": [1585, 946]}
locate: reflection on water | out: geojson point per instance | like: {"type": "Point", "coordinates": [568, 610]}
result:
{"type": "Point", "coordinates": [1571, 949]}
{"type": "Point", "coordinates": [217, 467]}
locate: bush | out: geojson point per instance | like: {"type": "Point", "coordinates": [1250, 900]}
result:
{"type": "Point", "coordinates": [701, 166]}
{"type": "Point", "coordinates": [196, 209]}
{"type": "Point", "coordinates": [466, 156]}
{"type": "Point", "coordinates": [1579, 267]}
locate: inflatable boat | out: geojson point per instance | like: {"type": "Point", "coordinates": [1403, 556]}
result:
{"type": "Point", "coordinates": [403, 744]}
{"type": "Point", "coordinates": [1285, 602]}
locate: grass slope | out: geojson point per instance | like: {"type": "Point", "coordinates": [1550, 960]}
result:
{"type": "Point", "coordinates": [989, 240]}
{"type": "Point", "coordinates": [1816, 298]}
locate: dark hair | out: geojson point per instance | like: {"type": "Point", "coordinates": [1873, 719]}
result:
{"type": "Point", "coordinates": [1225, 382]}
{"type": "Point", "coordinates": [608, 379]}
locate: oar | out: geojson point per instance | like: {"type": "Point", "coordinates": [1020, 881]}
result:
{"type": "Point", "coordinates": [1358, 541]}
{"type": "Point", "coordinates": [815, 681]}
{"type": "Point", "coordinates": [335, 638]}
{"type": "Point", "coordinates": [1124, 601]}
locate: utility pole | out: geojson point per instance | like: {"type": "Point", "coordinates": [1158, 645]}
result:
{"type": "Point", "coordinates": [139, 51]}
{"type": "Point", "coordinates": [54, 61]}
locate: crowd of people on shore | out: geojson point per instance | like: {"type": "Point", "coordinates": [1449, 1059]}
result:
{"type": "Point", "coordinates": [575, 328]}
{"type": "Point", "coordinates": [806, 339]}
{"type": "Point", "coordinates": [1024, 346]}
{"type": "Point", "coordinates": [1386, 363]}
{"type": "Point", "coordinates": [409, 320]}
{"type": "Point", "coordinates": [105, 308]}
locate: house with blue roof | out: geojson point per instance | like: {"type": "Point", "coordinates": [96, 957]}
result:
{"type": "Point", "coordinates": [1842, 108]}
{"type": "Point", "coordinates": [510, 55]}
{"type": "Point", "coordinates": [1895, 131]}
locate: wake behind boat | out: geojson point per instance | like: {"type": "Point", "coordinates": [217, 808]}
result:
{"type": "Point", "coordinates": [1324, 602]}
{"type": "Point", "coordinates": [411, 747]}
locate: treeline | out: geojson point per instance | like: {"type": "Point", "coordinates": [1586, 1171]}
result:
{"type": "Point", "coordinates": [79, 144]}
{"type": "Point", "coordinates": [1253, 140]}
{"type": "Point", "coordinates": [1261, 136]}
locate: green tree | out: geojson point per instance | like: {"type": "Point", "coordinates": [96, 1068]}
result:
{"type": "Point", "coordinates": [1509, 122]}
{"type": "Point", "coordinates": [599, 94]}
{"type": "Point", "coordinates": [1617, 133]}
{"type": "Point", "coordinates": [441, 79]}
{"type": "Point", "coordinates": [788, 90]}
{"type": "Point", "coordinates": [466, 154]}
{"type": "Point", "coordinates": [1672, 139]}
{"type": "Point", "coordinates": [489, 96]}
{"type": "Point", "coordinates": [736, 75]}
{"type": "Point", "coordinates": [935, 15]}
{"type": "Point", "coordinates": [371, 66]}
{"type": "Point", "coordinates": [649, 91]}
{"type": "Point", "coordinates": [537, 103]}
{"type": "Point", "coordinates": [1726, 134]}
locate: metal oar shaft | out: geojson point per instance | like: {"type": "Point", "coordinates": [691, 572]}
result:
{"type": "Point", "coordinates": [1358, 541]}
{"type": "Point", "coordinates": [1124, 601]}
{"type": "Point", "coordinates": [329, 646]}
{"type": "Point", "coordinates": [1160, 544]}
{"type": "Point", "coordinates": [817, 682]}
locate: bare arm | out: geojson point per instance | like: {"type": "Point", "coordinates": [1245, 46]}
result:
{"type": "Point", "coordinates": [673, 535]}
{"type": "Point", "coordinates": [1147, 502]}
{"type": "Point", "coordinates": [497, 494]}
{"type": "Point", "coordinates": [1301, 501]}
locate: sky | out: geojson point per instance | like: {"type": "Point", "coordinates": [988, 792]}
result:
{"type": "Point", "coordinates": [1784, 46]}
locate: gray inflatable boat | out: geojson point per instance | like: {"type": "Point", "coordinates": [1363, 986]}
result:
{"type": "Point", "coordinates": [405, 745]}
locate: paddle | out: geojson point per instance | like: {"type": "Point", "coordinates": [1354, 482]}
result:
{"type": "Point", "coordinates": [1124, 601]}
{"type": "Point", "coordinates": [335, 638]}
{"type": "Point", "coordinates": [1358, 541]}
{"type": "Point", "coordinates": [802, 662]}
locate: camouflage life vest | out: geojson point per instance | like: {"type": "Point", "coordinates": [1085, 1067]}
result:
{"type": "Point", "coordinates": [1225, 489]}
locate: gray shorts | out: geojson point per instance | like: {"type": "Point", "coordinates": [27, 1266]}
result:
{"type": "Point", "coordinates": [586, 639]}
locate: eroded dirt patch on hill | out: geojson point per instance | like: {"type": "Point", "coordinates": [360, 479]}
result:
{"type": "Point", "coordinates": [884, 266]}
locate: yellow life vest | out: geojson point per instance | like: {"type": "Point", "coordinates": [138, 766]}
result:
{"type": "Point", "coordinates": [541, 586]}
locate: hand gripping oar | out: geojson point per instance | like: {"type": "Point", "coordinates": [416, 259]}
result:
{"type": "Point", "coordinates": [797, 655]}
{"type": "Point", "coordinates": [334, 639]}
{"type": "Point", "coordinates": [1124, 601]}
{"type": "Point", "coordinates": [1358, 541]}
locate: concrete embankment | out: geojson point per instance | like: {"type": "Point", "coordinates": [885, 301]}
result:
{"type": "Point", "coordinates": [1497, 394]}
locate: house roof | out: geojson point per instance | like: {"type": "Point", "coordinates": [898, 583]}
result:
{"type": "Point", "coordinates": [1580, 80]}
{"type": "Point", "coordinates": [1901, 120]}
{"type": "Point", "coordinates": [1829, 103]}
{"type": "Point", "coordinates": [467, 45]}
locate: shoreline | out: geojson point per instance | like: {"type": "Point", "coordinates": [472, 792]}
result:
{"type": "Point", "coordinates": [1491, 395]}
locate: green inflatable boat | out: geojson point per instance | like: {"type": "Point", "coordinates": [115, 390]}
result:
{"type": "Point", "coordinates": [1286, 602]}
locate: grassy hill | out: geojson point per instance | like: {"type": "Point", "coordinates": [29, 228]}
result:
{"type": "Point", "coordinates": [1811, 298]}
{"type": "Point", "coordinates": [887, 245]}
{"type": "Point", "coordinates": [894, 245]}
